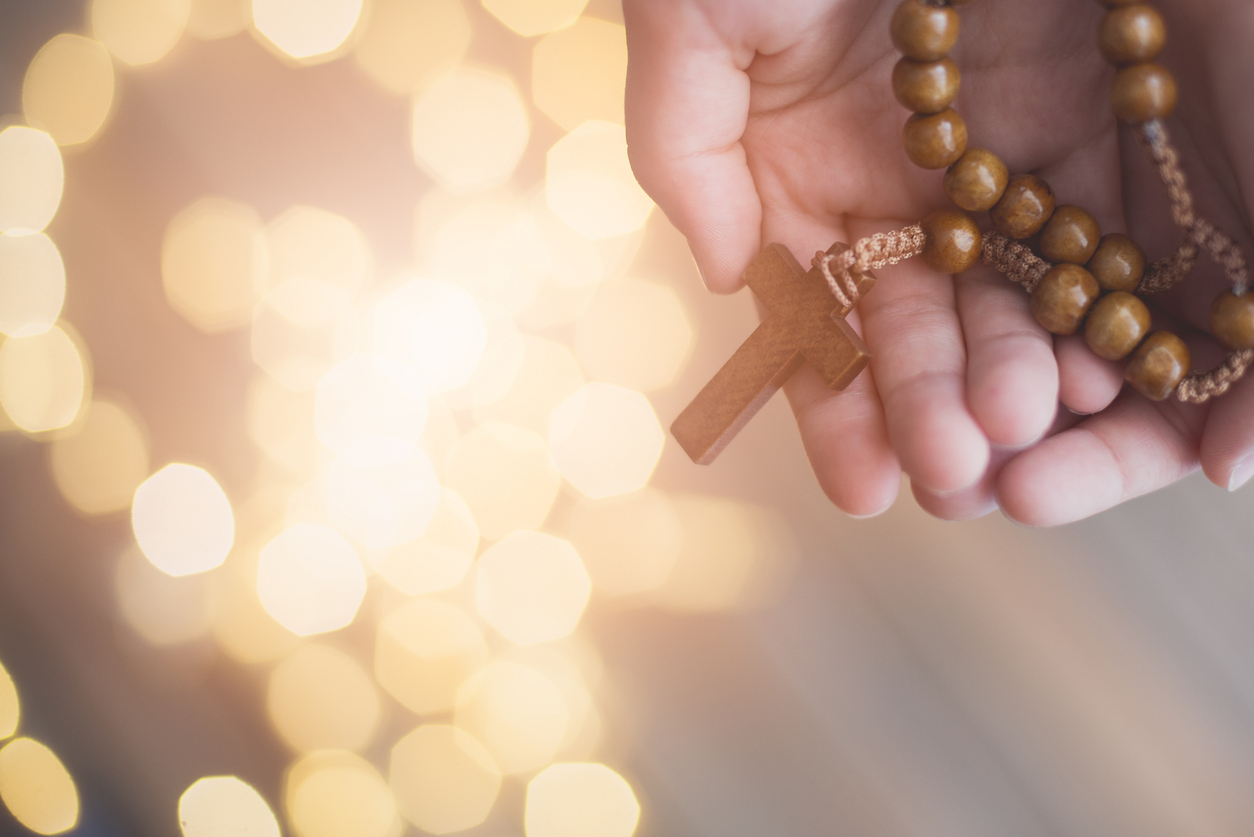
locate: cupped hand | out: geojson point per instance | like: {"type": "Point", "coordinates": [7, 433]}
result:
{"type": "Point", "coordinates": [752, 121]}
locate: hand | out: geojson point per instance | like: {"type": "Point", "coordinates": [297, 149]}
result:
{"type": "Point", "coordinates": [755, 121]}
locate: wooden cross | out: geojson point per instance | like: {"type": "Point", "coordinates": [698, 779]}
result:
{"type": "Point", "coordinates": [805, 323]}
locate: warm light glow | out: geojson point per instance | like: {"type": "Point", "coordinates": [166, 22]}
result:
{"type": "Point", "coordinates": [42, 380]}
{"type": "Point", "coordinates": [556, 305]}
{"type": "Point", "coordinates": [31, 178]}
{"type": "Point", "coordinates": [469, 130]}
{"type": "Point", "coordinates": [547, 376]}
{"type": "Point", "coordinates": [213, 19]}
{"type": "Point", "coordinates": [99, 467]}
{"type": "Point", "coordinates": [241, 625]}
{"type": "Point", "coordinates": [301, 329]}
{"type": "Point", "coordinates": [440, 434]}
{"type": "Point", "coordinates": [308, 30]}
{"type": "Point", "coordinates": [502, 358]}
{"type": "Point", "coordinates": [567, 664]}
{"type": "Point", "coordinates": [332, 793]}
{"type": "Point", "coordinates": [32, 284]}
{"type": "Point", "coordinates": [635, 334]}
{"type": "Point", "coordinates": [435, 329]}
{"type": "Point", "coordinates": [580, 72]}
{"type": "Point", "coordinates": [532, 587]}
{"type": "Point", "coordinates": [320, 699]}
{"type": "Point", "coordinates": [407, 43]}
{"type": "Point", "coordinates": [580, 800]}
{"type": "Point", "coordinates": [310, 579]}
{"type": "Point", "coordinates": [629, 544]}
{"type": "Point", "coordinates": [139, 31]}
{"type": "Point", "coordinates": [280, 422]}
{"type": "Point", "coordinates": [443, 779]}
{"type": "Point", "coordinates": [424, 651]}
{"type": "Point", "coordinates": [590, 185]}
{"type": "Point", "coordinates": [575, 261]}
{"type": "Point", "coordinates": [68, 88]}
{"type": "Point", "coordinates": [310, 243]}
{"type": "Point", "coordinates": [535, 17]}
{"type": "Point", "coordinates": [162, 609]}
{"type": "Point", "coordinates": [440, 558]}
{"type": "Point", "coordinates": [36, 787]}
{"type": "Point", "coordinates": [382, 491]}
{"type": "Point", "coordinates": [518, 714]}
{"type": "Point", "coordinates": [10, 708]}
{"type": "Point", "coordinates": [368, 395]}
{"type": "Point", "coordinates": [606, 440]}
{"type": "Point", "coordinates": [212, 262]}
{"type": "Point", "coordinates": [224, 806]}
{"type": "Point", "coordinates": [506, 477]}
{"type": "Point", "coordinates": [183, 520]}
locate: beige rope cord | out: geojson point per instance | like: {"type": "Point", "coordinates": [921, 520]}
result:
{"type": "Point", "coordinates": [870, 253]}
{"type": "Point", "coordinates": [1017, 261]}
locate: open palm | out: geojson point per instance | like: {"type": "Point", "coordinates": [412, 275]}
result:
{"type": "Point", "coordinates": [752, 121]}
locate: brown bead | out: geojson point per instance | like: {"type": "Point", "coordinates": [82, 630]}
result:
{"type": "Point", "coordinates": [1070, 236]}
{"type": "Point", "coordinates": [1159, 365]}
{"type": "Point", "coordinates": [935, 140]}
{"type": "Point", "coordinates": [926, 86]}
{"type": "Point", "coordinates": [1118, 264]}
{"type": "Point", "coordinates": [1116, 325]}
{"type": "Point", "coordinates": [923, 31]}
{"type": "Point", "coordinates": [1024, 207]}
{"type": "Point", "coordinates": [976, 182]}
{"type": "Point", "coordinates": [1232, 319]}
{"type": "Point", "coordinates": [1143, 92]}
{"type": "Point", "coordinates": [1063, 297]}
{"type": "Point", "coordinates": [953, 241]}
{"type": "Point", "coordinates": [1132, 34]}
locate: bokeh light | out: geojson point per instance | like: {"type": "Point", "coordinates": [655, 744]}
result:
{"type": "Point", "coordinates": [307, 30]}
{"type": "Point", "coordinates": [310, 579]}
{"type": "Point", "coordinates": [535, 17]}
{"type": "Point", "coordinates": [333, 793]}
{"type": "Point", "coordinates": [183, 520]}
{"type": "Point", "coordinates": [43, 380]}
{"type": "Point", "coordinates": [580, 800]}
{"type": "Point", "coordinates": [32, 284]}
{"type": "Point", "coordinates": [382, 491]}
{"type": "Point", "coordinates": [502, 358]}
{"type": "Point", "coordinates": [571, 665]}
{"type": "Point", "coordinates": [98, 468]}
{"type": "Point", "coordinates": [443, 779]}
{"type": "Point", "coordinates": [301, 329]}
{"type": "Point", "coordinates": [424, 651]}
{"type": "Point", "coordinates": [68, 88]}
{"type": "Point", "coordinates": [139, 31]}
{"type": "Point", "coordinates": [606, 440]}
{"type": "Point", "coordinates": [628, 544]}
{"type": "Point", "coordinates": [506, 476]}
{"type": "Point", "coordinates": [309, 243]}
{"type": "Point", "coordinates": [320, 699]}
{"type": "Point", "coordinates": [224, 806]}
{"type": "Point", "coordinates": [439, 558]}
{"type": "Point", "coordinates": [407, 43]}
{"type": "Point", "coordinates": [469, 130]}
{"type": "Point", "coordinates": [368, 395]}
{"type": "Point", "coordinates": [434, 328]}
{"type": "Point", "coordinates": [31, 179]}
{"type": "Point", "coordinates": [241, 626]}
{"type": "Point", "coordinates": [36, 787]}
{"type": "Point", "coordinates": [532, 587]}
{"type": "Point", "coordinates": [10, 707]}
{"type": "Point", "coordinates": [518, 714]}
{"type": "Point", "coordinates": [163, 609]}
{"type": "Point", "coordinates": [281, 423]}
{"type": "Point", "coordinates": [575, 261]}
{"type": "Point", "coordinates": [579, 73]}
{"type": "Point", "coordinates": [213, 260]}
{"type": "Point", "coordinates": [440, 434]}
{"type": "Point", "coordinates": [590, 185]}
{"type": "Point", "coordinates": [213, 19]}
{"type": "Point", "coordinates": [635, 334]}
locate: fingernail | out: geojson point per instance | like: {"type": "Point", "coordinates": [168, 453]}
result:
{"type": "Point", "coordinates": [1241, 473]}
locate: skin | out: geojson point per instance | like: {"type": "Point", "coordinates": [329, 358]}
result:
{"type": "Point", "coordinates": [752, 121]}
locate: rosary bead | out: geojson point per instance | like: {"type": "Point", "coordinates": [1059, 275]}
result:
{"type": "Point", "coordinates": [1063, 297]}
{"type": "Point", "coordinates": [1024, 208]}
{"type": "Point", "coordinates": [1143, 92]}
{"type": "Point", "coordinates": [1116, 325]}
{"type": "Point", "coordinates": [1070, 236]}
{"type": "Point", "coordinates": [926, 86]}
{"type": "Point", "coordinates": [1232, 319]}
{"type": "Point", "coordinates": [1158, 366]}
{"type": "Point", "coordinates": [976, 182]}
{"type": "Point", "coordinates": [1132, 34]}
{"type": "Point", "coordinates": [923, 31]}
{"type": "Point", "coordinates": [935, 140]}
{"type": "Point", "coordinates": [953, 241]}
{"type": "Point", "coordinates": [1118, 264]}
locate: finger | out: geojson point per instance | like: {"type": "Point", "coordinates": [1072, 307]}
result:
{"type": "Point", "coordinates": [1228, 440]}
{"type": "Point", "coordinates": [1086, 383]}
{"type": "Point", "coordinates": [1012, 378]}
{"type": "Point", "coordinates": [687, 103]}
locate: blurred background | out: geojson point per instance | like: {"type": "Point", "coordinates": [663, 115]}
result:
{"type": "Point", "coordinates": [338, 344]}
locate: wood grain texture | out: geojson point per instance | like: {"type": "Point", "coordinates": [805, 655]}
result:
{"type": "Point", "coordinates": [804, 324]}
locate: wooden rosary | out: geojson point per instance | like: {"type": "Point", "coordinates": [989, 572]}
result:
{"type": "Point", "coordinates": [1080, 279]}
